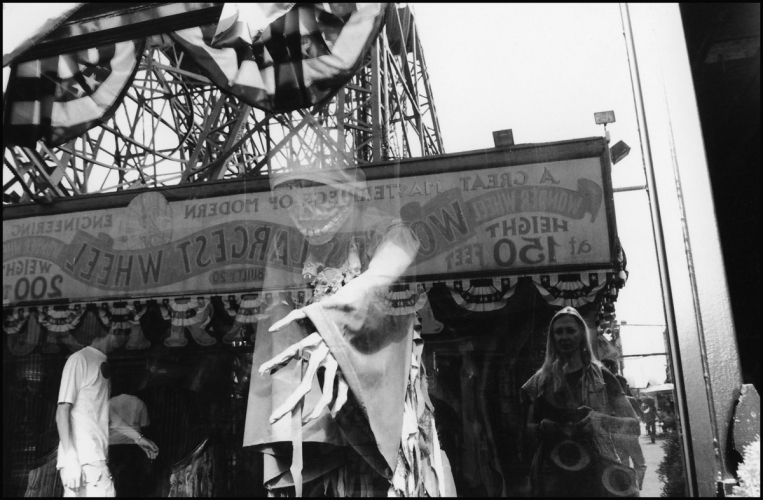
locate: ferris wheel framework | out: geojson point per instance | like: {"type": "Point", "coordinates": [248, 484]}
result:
{"type": "Point", "coordinates": [175, 127]}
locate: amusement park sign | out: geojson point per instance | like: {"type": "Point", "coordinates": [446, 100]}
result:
{"type": "Point", "coordinates": [519, 211]}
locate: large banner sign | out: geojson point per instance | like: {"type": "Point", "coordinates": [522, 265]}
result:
{"type": "Point", "coordinates": [511, 220]}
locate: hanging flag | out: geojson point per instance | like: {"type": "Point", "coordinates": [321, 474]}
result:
{"type": "Point", "coordinates": [24, 26]}
{"type": "Point", "coordinates": [243, 23]}
{"type": "Point", "coordinates": [61, 97]}
{"type": "Point", "coordinates": [301, 58]}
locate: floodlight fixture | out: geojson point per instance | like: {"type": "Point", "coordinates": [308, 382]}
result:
{"type": "Point", "coordinates": [604, 117]}
{"type": "Point", "coordinates": [619, 151]}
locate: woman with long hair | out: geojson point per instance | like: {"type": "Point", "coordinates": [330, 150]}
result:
{"type": "Point", "coordinates": [576, 409]}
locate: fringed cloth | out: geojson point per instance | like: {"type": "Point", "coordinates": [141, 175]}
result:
{"type": "Point", "coordinates": [386, 421]}
{"type": "Point", "coordinates": [420, 470]}
{"type": "Point", "coordinates": [422, 467]}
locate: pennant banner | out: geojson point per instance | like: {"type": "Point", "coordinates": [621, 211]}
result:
{"type": "Point", "coordinates": [125, 316]}
{"type": "Point", "coordinates": [284, 57]}
{"type": "Point", "coordinates": [246, 313]}
{"type": "Point", "coordinates": [404, 299]}
{"type": "Point", "coordinates": [571, 289]}
{"type": "Point", "coordinates": [60, 321]}
{"type": "Point", "coordinates": [194, 314]}
{"type": "Point", "coordinates": [487, 294]}
{"type": "Point", "coordinates": [191, 314]}
{"type": "Point", "coordinates": [62, 97]}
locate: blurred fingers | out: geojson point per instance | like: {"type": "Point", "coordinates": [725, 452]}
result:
{"type": "Point", "coordinates": [316, 357]}
{"type": "Point", "coordinates": [291, 352]}
{"type": "Point", "coordinates": [341, 395]}
{"type": "Point", "coordinates": [295, 315]}
{"type": "Point", "coordinates": [329, 362]}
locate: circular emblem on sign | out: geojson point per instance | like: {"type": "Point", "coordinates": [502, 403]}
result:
{"type": "Point", "coordinates": [105, 370]}
{"type": "Point", "coordinates": [145, 223]}
{"type": "Point", "coordinates": [571, 456]}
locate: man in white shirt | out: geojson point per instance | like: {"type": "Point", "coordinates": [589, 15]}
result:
{"type": "Point", "coordinates": [82, 419]}
{"type": "Point", "coordinates": [130, 466]}
{"type": "Point", "coordinates": [128, 414]}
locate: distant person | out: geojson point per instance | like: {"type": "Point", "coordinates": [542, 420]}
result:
{"type": "Point", "coordinates": [611, 365]}
{"type": "Point", "coordinates": [574, 409]}
{"type": "Point", "coordinates": [650, 417]}
{"type": "Point", "coordinates": [669, 419]}
{"type": "Point", "coordinates": [627, 446]}
{"type": "Point", "coordinates": [82, 418]}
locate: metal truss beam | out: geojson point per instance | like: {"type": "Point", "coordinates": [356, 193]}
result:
{"type": "Point", "coordinates": [174, 127]}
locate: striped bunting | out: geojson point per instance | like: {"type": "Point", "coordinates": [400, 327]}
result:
{"type": "Point", "coordinates": [247, 309]}
{"type": "Point", "coordinates": [60, 321]}
{"type": "Point", "coordinates": [58, 98]}
{"type": "Point", "coordinates": [402, 300]}
{"type": "Point", "coordinates": [571, 289]}
{"type": "Point", "coordinates": [487, 294]}
{"type": "Point", "coordinates": [193, 314]}
{"type": "Point", "coordinates": [284, 57]}
{"type": "Point", "coordinates": [125, 316]}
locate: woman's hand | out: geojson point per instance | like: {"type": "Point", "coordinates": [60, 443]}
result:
{"type": "Point", "coordinates": [594, 422]}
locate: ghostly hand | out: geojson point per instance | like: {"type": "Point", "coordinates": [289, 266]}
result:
{"type": "Point", "coordinates": [315, 349]}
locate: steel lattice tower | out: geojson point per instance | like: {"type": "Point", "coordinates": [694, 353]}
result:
{"type": "Point", "coordinates": [175, 127]}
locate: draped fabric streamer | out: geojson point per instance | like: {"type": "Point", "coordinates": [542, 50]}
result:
{"type": "Point", "coordinates": [284, 57]}
{"type": "Point", "coordinates": [60, 321]}
{"type": "Point", "coordinates": [418, 472]}
{"type": "Point", "coordinates": [59, 98]}
{"type": "Point", "coordinates": [488, 294]}
{"type": "Point", "coordinates": [570, 289]}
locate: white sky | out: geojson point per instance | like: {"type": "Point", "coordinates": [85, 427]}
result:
{"type": "Point", "coordinates": [542, 70]}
